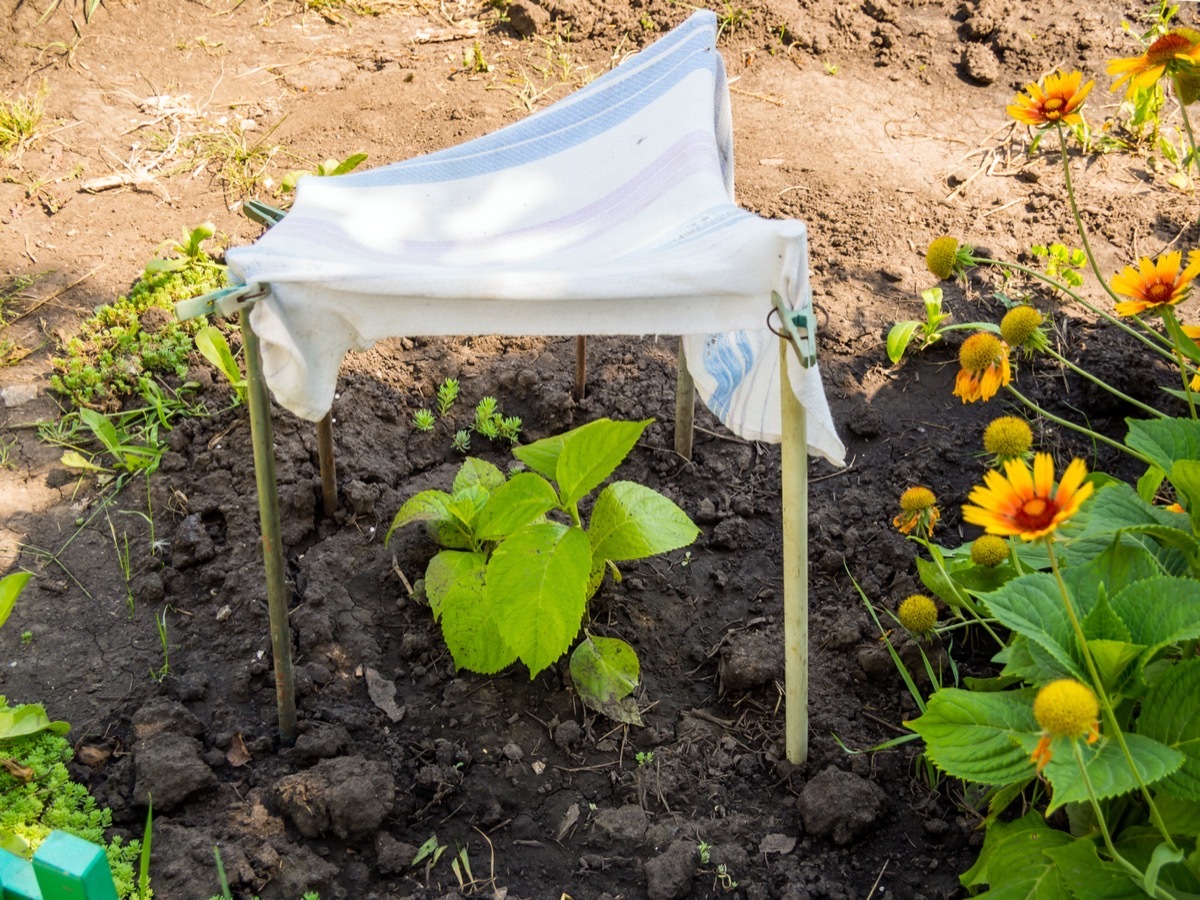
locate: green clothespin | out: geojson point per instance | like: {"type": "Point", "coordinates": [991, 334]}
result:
{"type": "Point", "coordinates": [70, 868]}
{"type": "Point", "coordinates": [257, 211]}
{"type": "Point", "coordinates": [800, 328]}
{"type": "Point", "coordinates": [224, 302]}
{"type": "Point", "coordinates": [17, 881]}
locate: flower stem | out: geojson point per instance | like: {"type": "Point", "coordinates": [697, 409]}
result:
{"type": "Point", "coordinates": [1106, 706]}
{"type": "Point", "coordinates": [1105, 385]}
{"type": "Point", "coordinates": [1174, 329]}
{"type": "Point", "coordinates": [1187, 124]}
{"type": "Point", "coordinates": [1080, 428]}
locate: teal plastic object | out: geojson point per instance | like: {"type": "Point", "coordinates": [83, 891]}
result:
{"type": "Point", "coordinates": [17, 881]}
{"type": "Point", "coordinates": [64, 868]}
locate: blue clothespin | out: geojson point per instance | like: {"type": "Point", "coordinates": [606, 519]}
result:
{"type": "Point", "coordinates": [800, 328]}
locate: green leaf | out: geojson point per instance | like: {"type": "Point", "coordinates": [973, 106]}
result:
{"type": "Point", "coordinates": [1138, 844]}
{"type": "Point", "coordinates": [349, 164]}
{"type": "Point", "coordinates": [1180, 817]}
{"type": "Point", "coordinates": [1171, 714]}
{"type": "Point", "coordinates": [536, 582]}
{"type": "Point", "coordinates": [454, 582]}
{"type": "Point", "coordinates": [1160, 611]}
{"type": "Point", "coordinates": [1032, 606]}
{"type": "Point", "coordinates": [10, 589]}
{"type": "Point", "coordinates": [26, 720]}
{"type": "Point", "coordinates": [591, 453]}
{"type": "Point", "coordinates": [103, 429]}
{"type": "Point", "coordinates": [466, 504]}
{"type": "Point", "coordinates": [1106, 765]}
{"type": "Point", "coordinates": [1165, 441]}
{"type": "Point", "coordinates": [1117, 512]}
{"type": "Point", "coordinates": [631, 521]}
{"type": "Point", "coordinates": [1103, 623]}
{"type": "Point", "coordinates": [899, 338]}
{"type": "Point", "coordinates": [477, 472]}
{"type": "Point", "coordinates": [1113, 658]}
{"type": "Point", "coordinates": [75, 460]}
{"type": "Point", "coordinates": [1029, 663]}
{"type": "Point", "coordinates": [1013, 861]}
{"type": "Point", "coordinates": [213, 347]}
{"type": "Point", "coordinates": [970, 735]}
{"type": "Point", "coordinates": [1150, 482]}
{"type": "Point", "coordinates": [605, 671]}
{"type": "Point", "coordinates": [1088, 877]}
{"type": "Point", "coordinates": [427, 506]}
{"type": "Point", "coordinates": [1185, 478]}
{"type": "Point", "coordinates": [938, 582]}
{"type": "Point", "coordinates": [542, 456]}
{"type": "Point", "coordinates": [515, 504]}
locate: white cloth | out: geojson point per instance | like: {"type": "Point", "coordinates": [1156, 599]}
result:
{"type": "Point", "coordinates": [609, 212]}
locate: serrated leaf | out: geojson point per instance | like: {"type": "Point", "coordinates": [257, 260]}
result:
{"type": "Point", "coordinates": [477, 472]}
{"type": "Point", "coordinates": [26, 720]}
{"type": "Point", "coordinates": [1088, 877]}
{"type": "Point", "coordinates": [427, 506]}
{"type": "Point", "coordinates": [1164, 441]}
{"type": "Point", "coordinates": [898, 339]}
{"type": "Point", "coordinates": [591, 453]}
{"type": "Point", "coordinates": [605, 671]}
{"type": "Point", "coordinates": [1112, 658]}
{"type": "Point", "coordinates": [536, 582]}
{"type": "Point", "coordinates": [542, 456]}
{"type": "Point", "coordinates": [1106, 765]}
{"type": "Point", "coordinates": [1171, 715]}
{"type": "Point", "coordinates": [1180, 817]}
{"type": "Point", "coordinates": [1029, 663]}
{"type": "Point", "coordinates": [970, 735]}
{"type": "Point", "coordinates": [515, 504]}
{"type": "Point", "coordinates": [1013, 861]}
{"type": "Point", "coordinates": [1185, 478]}
{"type": "Point", "coordinates": [10, 589]}
{"type": "Point", "coordinates": [1104, 624]}
{"type": "Point", "coordinates": [1032, 606]}
{"type": "Point", "coordinates": [1160, 611]}
{"type": "Point", "coordinates": [631, 521]}
{"type": "Point", "coordinates": [1149, 483]}
{"type": "Point", "coordinates": [466, 504]}
{"type": "Point", "coordinates": [468, 619]}
{"type": "Point", "coordinates": [1138, 845]}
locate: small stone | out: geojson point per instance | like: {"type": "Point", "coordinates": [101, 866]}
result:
{"type": "Point", "coordinates": [706, 512]}
{"type": "Point", "coordinates": [980, 63]}
{"type": "Point", "coordinates": [392, 856]}
{"type": "Point", "coordinates": [349, 796]}
{"type": "Point", "coordinates": [750, 660]}
{"type": "Point", "coordinates": [192, 544]}
{"type": "Point", "coordinates": [361, 497]}
{"type": "Point", "coordinates": [18, 394]}
{"type": "Point", "coordinates": [513, 752]}
{"type": "Point", "coordinates": [169, 768]}
{"type": "Point", "coordinates": [568, 734]}
{"type": "Point", "coordinates": [625, 825]}
{"type": "Point", "coordinates": [840, 805]}
{"type": "Point", "coordinates": [669, 875]}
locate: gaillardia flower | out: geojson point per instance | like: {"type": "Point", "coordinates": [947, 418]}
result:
{"type": "Point", "coordinates": [946, 257]}
{"type": "Point", "coordinates": [918, 512]}
{"type": "Point", "coordinates": [1057, 103]}
{"type": "Point", "coordinates": [1177, 47]}
{"type": "Point", "coordinates": [1155, 284]}
{"type": "Point", "coordinates": [1193, 332]}
{"type": "Point", "coordinates": [985, 368]}
{"type": "Point", "coordinates": [1008, 437]}
{"type": "Point", "coordinates": [1022, 330]}
{"type": "Point", "coordinates": [1025, 503]}
{"type": "Point", "coordinates": [1065, 708]}
{"type": "Point", "coordinates": [989, 551]}
{"type": "Point", "coordinates": [918, 614]}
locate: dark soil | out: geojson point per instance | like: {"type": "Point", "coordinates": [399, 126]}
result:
{"type": "Point", "coordinates": [881, 124]}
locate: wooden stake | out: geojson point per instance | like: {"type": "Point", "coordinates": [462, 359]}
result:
{"type": "Point", "coordinates": [328, 466]}
{"type": "Point", "coordinates": [580, 368]}
{"type": "Point", "coordinates": [795, 566]}
{"type": "Point", "coordinates": [261, 435]}
{"type": "Point", "coordinates": [685, 406]}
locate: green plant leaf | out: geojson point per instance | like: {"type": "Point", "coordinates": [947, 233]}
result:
{"type": "Point", "coordinates": [454, 582]}
{"type": "Point", "coordinates": [536, 582]}
{"type": "Point", "coordinates": [515, 504]}
{"type": "Point", "coordinates": [1106, 766]}
{"type": "Point", "coordinates": [75, 460]}
{"type": "Point", "coordinates": [1028, 662]}
{"type": "Point", "coordinates": [477, 471]}
{"type": "Point", "coordinates": [1113, 658]}
{"type": "Point", "coordinates": [1013, 861]}
{"type": "Point", "coordinates": [1185, 478]}
{"type": "Point", "coordinates": [970, 735]}
{"type": "Point", "coordinates": [591, 453]}
{"type": "Point", "coordinates": [1088, 877]}
{"type": "Point", "coordinates": [1180, 817]}
{"type": "Point", "coordinates": [213, 347]}
{"type": "Point", "coordinates": [1171, 715]}
{"type": "Point", "coordinates": [1160, 611]}
{"type": "Point", "coordinates": [1165, 441]}
{"type": "Point", "coordinates": [605, 671]}
{"type": "Point", "coordinates": [10, 589]}
{"type": "Point", "coordinates": [632, 521]}
{"type": "Point", "coordinates": [1138, 844]}
{"type": "Point", "coordinates": [427, 506]}
{"type": "Point", "coordinates": [1032, 606]}
{"type": "Point", "coordinates": [466, 504]}
{"type": "Point", "coordinates": [898, 339]}
{"type": "Point", "coordinates": [26, 720]}
{"type": "Point", "coordinates": [349, 164]}
{"type": "Point", "coordinates": [1150, 482]}
{"type": "Point", "coordinates": [542, 456]}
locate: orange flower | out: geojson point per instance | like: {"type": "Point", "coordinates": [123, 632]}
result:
{"type": "Point", "coordinates": [1193, 331]}
{"type": "Point", "coordinates": [1156, 284]}
{"type": "Point", "coordinates": [1180, 45]}
{"type": "Point", "coordinates": [1057, 103]}
{"type": "Point", "coordinates": [985, 369]}
{"type": "Point", "coordinates": [1025, 503]}
{"type": "Point", "coordinates": [918, 512]}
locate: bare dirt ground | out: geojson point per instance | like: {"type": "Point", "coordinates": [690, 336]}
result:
{"type": "Point", "coordinates": [879, 123]}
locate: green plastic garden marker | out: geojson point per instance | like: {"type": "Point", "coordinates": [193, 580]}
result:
{"type": "Point", "coordinates": [17, 881]}
{"type": "Point", "coordinates": [70, 868]}
{"type": "Point", "coordinates": [795, 559]}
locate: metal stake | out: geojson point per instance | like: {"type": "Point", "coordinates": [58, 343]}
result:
{"type": "Point", "coordinates": [795, 565]}
{"type": "Point", "coordinates": [268, 508]}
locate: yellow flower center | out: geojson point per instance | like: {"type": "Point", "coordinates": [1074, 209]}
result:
{"type": "Point", "coordinates": [989, 551]}
{"type": "Point", "coordinates": [980, 351]}
{"type": "Point", "coordinates": [941, 255]}
{"type": "Point", "coordinates": [1020, 324]}
{"type": "Point", "coordinates": [1164, 49]}
{"type": "Point", "coordinates": [1007, 437]}
{"type": "Point", "coordinates": [1052, 109]}
{"type": "Point", "coordinates": [916, 499]}
{"type": "Point", "coordinates": [1066, 708]}
{"type": "Point", "coordinates": [918, 614]}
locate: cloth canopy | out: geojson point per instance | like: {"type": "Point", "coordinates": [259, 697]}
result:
{"type": "Point", "coordinates": [609, 212]}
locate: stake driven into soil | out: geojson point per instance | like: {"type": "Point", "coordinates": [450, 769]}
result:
{"type": "Point", "coordinates": [795, 565]}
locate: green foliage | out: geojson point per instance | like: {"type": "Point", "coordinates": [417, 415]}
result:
{"type": "Point", "coordinates": [324, 169]}
{"type": "Point", "coordinates": [423, 420]}
{"type": "Point", "coordinates": [1061, 263]}
{"type": "Point", "coordinates": [43, 797]}
{"type": "Point", "coordinates": [513, 583]}
{"type": "Point", "coordinates": [189, 253]}
{"type": "Point", "coordinates": [215, 348]}
{"type": "Point", "coordinates": [10, 589]}
{"type": "Point", "coordinates": [21, 120]}
{"type": "Point", "coordinates": [447, 393]}
{"type": "Point", "coordinates": [927, 333]}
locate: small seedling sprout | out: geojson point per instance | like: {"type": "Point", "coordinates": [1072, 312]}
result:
{"type": "Point", "coordinates": [447, 393]}
{"type": "Point", "coordinates": [423, 420]}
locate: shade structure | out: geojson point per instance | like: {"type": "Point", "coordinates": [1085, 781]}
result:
{"type": "Point", "coordinates": [610, 212]}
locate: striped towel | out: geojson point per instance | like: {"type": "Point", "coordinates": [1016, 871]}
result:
{"type": "Point", "coordinates": [609, 212]}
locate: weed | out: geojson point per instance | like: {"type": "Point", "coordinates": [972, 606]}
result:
{"type": "Point", "coordinates": [239, 162]}
{"type": "Point", "coordinates": [21, 121]}
{"type": "Point", "coordinates": [326, 169]}
{"type": "Point", "coordinates": [1061, 263]}
{"type": "Point", "coordinates": [731, 18]}
{"type": "Point", "coordinates": [704, 852]}
{"type": "Point", "coordinates": [6, 453]}
{"type": "Point", "coordinates": [474, 61]}
{"type": "Point", "coordinates": [160, 674]}
{"type": "Point", "coordinates": [125, 562]}
{"type": "Point", "coordinates": [644, 758]}
{"type": "Point", "coordinates": [215, 348]}
{"type": "Point", "coordinates": [26, 638]}
{"type": "Point", "coordinates": [423, 420]}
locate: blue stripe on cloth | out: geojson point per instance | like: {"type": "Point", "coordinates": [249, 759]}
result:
{"type": "Point", "coordinates": [727, 358]}
{"type": "Point", "coordinates": [608, 101]}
